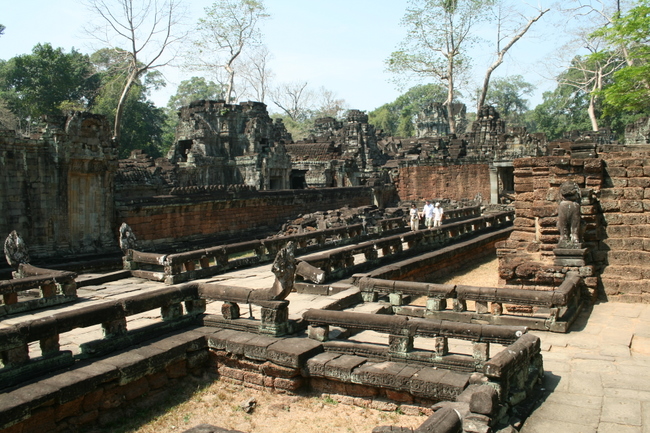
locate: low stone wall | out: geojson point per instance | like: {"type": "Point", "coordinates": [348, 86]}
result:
{"type": "Point", "coordinates": [173, 221]}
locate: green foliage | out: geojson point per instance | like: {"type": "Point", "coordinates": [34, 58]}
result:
{"type": "Point", "coordinates": [46, 80]}
{"type": "Point", "coordinates": [193, 89]}
{"type": "Point", "coordinates": [630, 90]}
{"type": "Point", "coordinates": [396, 118]}
{"type": "Point", "coordinates": [562, 110]}
{"type": "Point", "coordinates": [507, 96]}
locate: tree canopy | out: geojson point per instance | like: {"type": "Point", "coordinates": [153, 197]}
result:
{"type": "Point", "coordinates": [629, 32]}
{"type": "Point", "coordinates": [397, 118]}
{"type": "Point", "coordinates": [229, 28]}
{"type": "Point", "coordinates": [39, 83]}
{"type": "Point", "coordinates": [507, 95]}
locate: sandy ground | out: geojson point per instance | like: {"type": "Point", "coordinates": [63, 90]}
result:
{"type": "Point", "coordinates": [218, 403]}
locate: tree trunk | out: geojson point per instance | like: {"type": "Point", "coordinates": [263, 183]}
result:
{"type": "Point", "coordinates": [592, 112]}
{"type": "Point", "coordinates": [119, 112]}
{"type": "Point", "coordinates": [450, 95]}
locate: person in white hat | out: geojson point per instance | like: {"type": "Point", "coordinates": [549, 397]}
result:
{"type": "Point", "coordinates": [438, 212]}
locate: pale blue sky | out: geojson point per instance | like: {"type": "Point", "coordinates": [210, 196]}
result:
{"type": "Point", "coordinates": [337, 44]}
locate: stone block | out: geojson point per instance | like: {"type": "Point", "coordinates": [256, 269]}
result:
{"type": "Point", "coordinates": [611, 193]}
{"type": "Point", "coordinates": [438, 384]}
{"type": "Point", "coordinates": [639, 182]}
{"type": "Point", "coordinates": [255, 348]}
{"type": "Point", "coordinates": [271, 369]}
{"type": "Point", "coordinates": [341, 367]}
{"type": "Point", "coordinates": [635, 170]}
{"type": "Point", "coordinates": [293, 352]}
{"type": "Point", "coordinates": [641, 230]}
{"type": "Point", "coordinates": [177, 369]}
{"type": "Point", "coordinates": [288, 384]}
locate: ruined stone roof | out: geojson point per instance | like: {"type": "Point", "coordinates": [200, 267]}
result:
{"type": "Point", "coordinates": [313, 151]}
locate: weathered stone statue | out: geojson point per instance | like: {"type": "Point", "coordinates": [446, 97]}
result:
{"type": "Point", "coordinates": [568, 215]}
{"type": "Point", "coordinates": [284, 268]}
{"type": "Point", "coordinates": [127, 238]}
{"type": "Point", "coordinates": [15, 250]}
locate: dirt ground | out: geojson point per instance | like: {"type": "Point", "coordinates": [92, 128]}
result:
{"type": "Point", "coordinates": [218, 403]}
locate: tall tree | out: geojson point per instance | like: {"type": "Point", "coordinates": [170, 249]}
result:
{"type": "Point", "coordinates": [589, 74]}
{"type": "Point", "coordinates": [142, 128]}
{"type": "Point", "coordinates": [39, 83]}
{"type": "Point", "coordinates": [508, 35]}
{"type": "Point", "coordinates": [507, 95]}
{"type": "Point", "coordinates": [396, 118]}
{"type": "Point", "coordinates": [630, 90]}
{"type": "Point", "coordinates": [256, 73]}
{"type": "Point", "coordinates": [294, 99]}
{"type": "Point", "coordinates": [143, 32]}
{"type": "Point", "coordinates": [439, 34]}
{"type": "Point", "coordinates": [229, 28]}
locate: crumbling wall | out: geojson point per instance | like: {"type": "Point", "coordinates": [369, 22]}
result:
{"type": "Point", "coordinates": [56, 188]}
{"type": "Point", "coordinates": [225, 144]}
{"type": "Point", "coordinates": [198, 215]}
{"type": "Point", "coordinates": [418, 182]}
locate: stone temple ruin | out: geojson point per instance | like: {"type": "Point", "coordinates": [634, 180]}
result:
{"type": "Point", "coordinates": [344, 302]}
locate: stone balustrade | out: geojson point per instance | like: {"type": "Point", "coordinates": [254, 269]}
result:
{"type": "Point", "coordinates": [550, 310]}
{"type": "Point", "coordinates": [54, 288]}
{"type": "Point", "coordinates": [513, 371]}
{"type": "Point", "coordinates": [180, 267]}
{"type": "Point", "coordinates": [22, 360]}
{"type": "Point", "coordinates": [401, 333]}
{"type": "Point", "coordinates": [344, 261]}
{"type": "Point", "coordinates": [176, 268]}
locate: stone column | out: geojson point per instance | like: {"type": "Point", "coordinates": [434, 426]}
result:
{"type": "Point", "coordinates": [494, 185]}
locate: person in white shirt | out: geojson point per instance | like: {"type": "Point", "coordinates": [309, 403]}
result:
{"type": "Point", "coordinates": [414, 218]}
{"type": "Point", "coordinates": [428, 214]}
{"type": "Point", "coordinates": [438, 212]}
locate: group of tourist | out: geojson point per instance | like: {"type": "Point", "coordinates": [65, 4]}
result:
{"type": "Point", "coordinates": [432, 215]}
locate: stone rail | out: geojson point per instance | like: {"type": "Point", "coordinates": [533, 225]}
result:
{"type": "Point", "coordinates": [54, 288]}
{"type": "Point", "coordinates": [180, 267]}
{"type": "Point", "coordinates": [20, 361]}
{"type": "Point", "coordinates": [428, 369]}
{"type": "Point", "coordinates": [345, 261]}
{"type": "Point", "coordinates": [556, 309]}
{"type": "Point", "coordinates": [402, 330]}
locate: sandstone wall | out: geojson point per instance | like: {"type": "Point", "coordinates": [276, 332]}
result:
{"type": "Point", "coordinates": [173, 220]}
{"type": "Point", "coordinates": [56, 188]}
{"type": "Point", "coordinates": [616, 218]}
{"type": "Point", "coordinates": [456, 182]}
{"type": "Point", "coordinates": [625, 201]}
